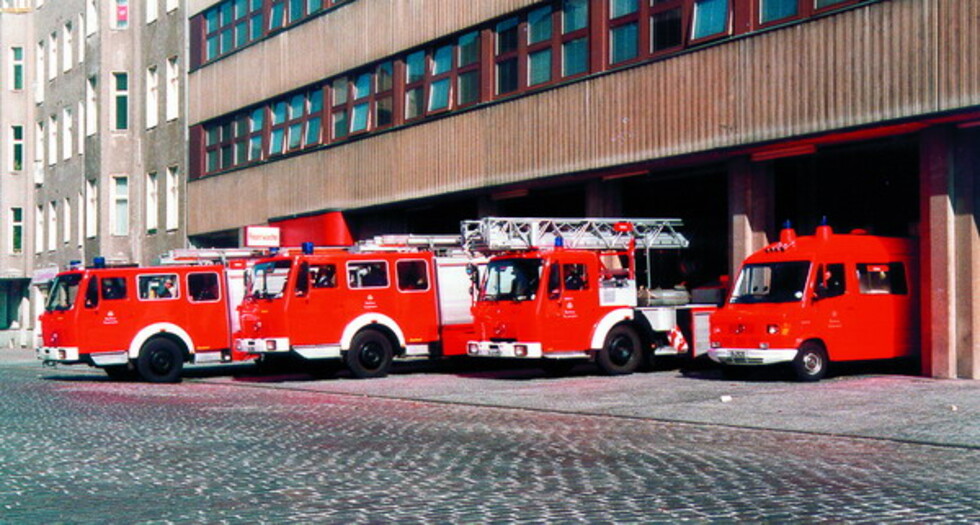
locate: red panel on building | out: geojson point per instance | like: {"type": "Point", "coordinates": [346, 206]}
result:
{"type": "Point", "coordinates": [325, 229]}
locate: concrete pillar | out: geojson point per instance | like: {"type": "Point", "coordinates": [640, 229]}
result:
{"type": "Point", "coordinates": [750, 209]}
{"type": "Point", "coordinates": [604, 198]}
{"type": "Point", "coordinates": [949, 253]}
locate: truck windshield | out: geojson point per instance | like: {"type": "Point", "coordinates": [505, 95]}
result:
{"type": "Point", "coordinates": [269, 279]}
{"type": "Point", "coordinates": [512, 280]}
{"type": "Point", "coordinates": [771, 283]}
{"type": "Point", "coordinates": [64, 290]}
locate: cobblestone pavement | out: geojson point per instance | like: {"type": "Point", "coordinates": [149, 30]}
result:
{"type": "Point", "coordinates": [76, 448]}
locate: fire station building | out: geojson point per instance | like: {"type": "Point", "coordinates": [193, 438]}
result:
{"type": "Point", "coordinates": [733, 115]}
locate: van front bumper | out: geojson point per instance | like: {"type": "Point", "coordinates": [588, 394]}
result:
{"type": "Point", "coordinates": [752, 356]}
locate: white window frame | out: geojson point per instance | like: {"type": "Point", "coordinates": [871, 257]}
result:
{"type": "Point", "coordinates": [67, 130]}
{"type": "Point", "coordinates": [116, 94]}
{"type": "Point", "coordinates": [81, 124]}
{"type": "Point", "coordinates": [67, 57]}
{"type": "Point", "coordinates": [91, 106]}
{"type": "Point", "coordinates": [52, 56]}
{"type": "Point", "coordinates": [66, 221]}
{"type": "Point", "coordinates": [173, 199]}
{"type": "Point", "coordinates": [91, 17]}
{"type": "Point", "coordinates": [52, 140]}
{"type": "Point", "coordinates": [81, 38]}
{"type": "Point", "coordinates": [119, 223]}
{"type": "Point", "coordinates": [152, 97]}
{"type": "Point", "coordinates": [173, 89]}
{"type": "Point", "coordinates": [80, 219]}
{"type": "Point", "coordinates": [14, 225]}
{"type": "Point", "coordinates": [91, 209]}
{"type": "Point", "coordinates": [172, 5]}
{"type": "Point", "coordinates": [39, 229]}
{"type": "Point", "coordinates": [152, 202]}
{"type": "Point", "coordinates": [39, 55]}
{"type": "Point", "coordinates": [15, 64]}
{"type": "Point", "coordinates": [14, 142]}
{"type": "Point", "coordinates": [152, 10]}
{"type": "Point", "coordinates": [119, 6]}
{"type": "Point", "coordinates": [52, 226]}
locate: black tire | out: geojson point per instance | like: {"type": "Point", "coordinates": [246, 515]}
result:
{"type": "Point", "coordinates": [811, 362]}
{"type": "Point", "coordinates": [160, 361]}
{"type": "Point", "coordinates": [622, 352]}
{"type": "Point", "coordinates": [120, 372]}
{"type": "Point", "coordinates": [370, 355]}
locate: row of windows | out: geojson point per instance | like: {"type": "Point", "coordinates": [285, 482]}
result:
{"type": "Point", "coordinates": [233, 24]}
{"type": "Point", "coordinates": [538, 47]}
{"type": "Point", "coordinates": [54, 221]}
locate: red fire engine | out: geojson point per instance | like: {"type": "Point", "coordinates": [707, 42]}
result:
{"type": "Point", "coordinates": [813, 300]}
{"type": "Point", "coordinates": [365, 305]}
{"type": "Point", "coordinates": [147, 320]}
{"type": "Point", "coordinates": [562, 289]}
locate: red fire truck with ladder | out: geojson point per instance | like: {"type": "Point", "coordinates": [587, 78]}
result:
{"type": "Point", "coordinates": [566, 289]}
{"type": "Point", "coordinates": [147, 321]}
{"type": "Point", "coordinates": [392, 296]}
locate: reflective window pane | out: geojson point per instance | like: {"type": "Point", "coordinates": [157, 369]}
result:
{"type": "Point", "coordinates": [575, 15]}
{"type": "Point", "coordinates": [469, 49]}
{"type": "Point", "coordinates": [439, 95]}
{"type": "Point", "coordinates": [623, 43]}
{"type": "Point", "coordinates": [506, 76]}
{"type": "Point", "coordinates": [507, 36]}
{"type": "Point", "coordinates": [575, 57]}
{"type": "Point", "coordinates": [469, 87]}
{"type": "Point", "coordinates": [772, 10]}
{"type": "Point", "coordinates": [415, 67]}
{"type": "Point", "coordinates": [710, 18]}
{"type": "Point", "coordinates": [442, 60]}
{"type": "Point", "coordinates": [539, 25]}
{"type": "Point", "coordinates": [666, 30]}
{"type": "Point", "coordinates": [618, 8]}
{"type": "Point", "coordinates": [539, 67]}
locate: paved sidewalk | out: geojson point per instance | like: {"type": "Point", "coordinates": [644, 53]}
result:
{"type": "Point", "coordinates": [871, 405]}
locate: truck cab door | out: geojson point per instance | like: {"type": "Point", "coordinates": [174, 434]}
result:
{"type": "Point", "coordinates": [105, 314]}
{"type": "Point", "coordinates": [569, 306]}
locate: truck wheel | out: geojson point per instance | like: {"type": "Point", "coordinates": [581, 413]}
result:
{"type": "Point", "coordinates": [160, 361]}
{"type": "Point", "coordinates": [622, 352]}
{"type": "Point", "coordinates": [370, 355]}
{"type": "Point", "coordinates": [811, 362]}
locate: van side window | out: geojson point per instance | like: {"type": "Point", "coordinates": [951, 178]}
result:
{"type": "Point", "coordinates": [203, 287]}
{"type": "Point", "coordinates": [882, 278]}
{"type": "Point", "coordinates": [373, 274]}
{"type": "Point", "coordinates": [830, 281]}
{"type": "Point", "coordinates": [113, 288]}
{"type": "Point", "coordinates": [158, 286]}
{"type": "Point", "coordinates": [92, 293]}
{"type": "Point", "coordinates": [323, 275]}
{"type": "Point", "coordinates": [412, 275]}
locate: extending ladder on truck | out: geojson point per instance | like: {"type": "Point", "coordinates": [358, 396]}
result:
{"type": "Point", "coordinates": [501, 234]}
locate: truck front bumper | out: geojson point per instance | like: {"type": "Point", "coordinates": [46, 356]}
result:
{"type": "Point", "coordinates": [264, 345]}
{"type": "Point", "coordinates": [492, 349]}
{"type": "Point", "coordinates": [752, 356]}
{"type": "Point", "coordinates": [57, 354]}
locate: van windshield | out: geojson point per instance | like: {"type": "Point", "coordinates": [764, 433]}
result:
{"type": "Point", "coordinates": [64, 290]}
{"type": "Point", "coordinates": [511, 280]}
{"type": "Point", "coordinates": [771, 283]}
{"type": "Point", "coordinates": [269, 279]}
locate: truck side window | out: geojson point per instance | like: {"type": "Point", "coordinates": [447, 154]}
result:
{"type": "Point", "coordinates": [158, 286]}
{"type": "Point", "coordinates": [412, 275]}
{"type": "Point", "coordinates": [575, 277]}
{"type": "Point", "coordinates": [554, 281]}
{"type": "Point", "coordinates": [830, 281]}
{"type": "Point", "coordinates": [203, 287]}
{"type": "Point", "coordinates": [303, 279]}
{"type": "Point", "coordinates": [372, 274]}
{"type": "Point", "coordinates": [92, 293]}
{"type": "Point", "coordinates": [323, 275]}
{"type": "Point", "coordinates": [882, 278]}
{"type": "Point", "coordinates": [113, 288]}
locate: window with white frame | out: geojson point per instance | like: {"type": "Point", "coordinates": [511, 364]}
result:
{"type": "Point", "coordinates": [52, 226]}
{"type": "Point", "coordinates": [173, 88]}
{"type": "Point", "coordinates": [52, 56]}
{"type": "Point", "coordinates": [16, 230]}
{"type": "Point", "coordinates": [81, 39]}
{"type": "Point", "coordinates": [120, 98]}
{"type": "Point", "coordinates": [39, 72]}
{"type": "Point", "coordinates": [17, 68]}
{"type": "Point", "coordinates": [67, 133]}
{"type": "Point", "coordinates": [91, 209]}
{"type": "Point", "coordinates": [91, 17]}
{"type": "Point", "coordinates": [91, 106]}
{"type": "Point", "coordinates": [67, 56]}
{"type": "Point", "coordinates": [16, 148]}
{"type": "Point", "coordinates": [152, 6]}
{"type": "Point", "coordinates": [52, 140]}
{"type": "Point", "coordinates": [152, 202]}
{"type": "Point", "coordinates": [81, 123]}
{"type": "Point", "coordinates": [152, 97]}
{"type": "Point", "coordinates": [173, 193]}
{"type": "Point", "coordinates": [80, 220]}
{"type": "Point", "coordinates": [120, 14]}
{"type": "Point", "coordinates": [39, 229]}
{"type": "Point", "coordinates": [119, 213]}
{"type": "Point", "coordinates": [39, 137]}
{"type": "Point", "coordinates": [66, 222]}
{"type": "Point", "coordinates": [172, 5]}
